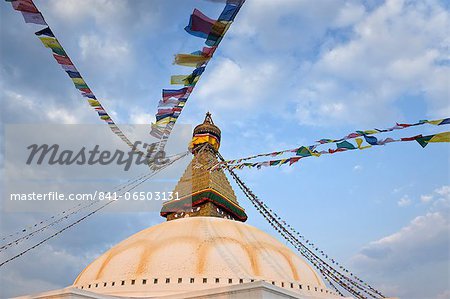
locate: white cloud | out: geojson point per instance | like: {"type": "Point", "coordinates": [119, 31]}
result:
{"type": "Point", "coordinates": [440, 198]}
{"type": "Point", "coordinates": [444, 295]}
{"type": "Point", "coordinates": [374, 69]}
{"type": "Point", "coordinates": [104, 52]}
{"type": "Point", "coordinates": [19, 105]}
{"type": "Point", "coordinates": [351, 60]}
{"type": "Point", "coordinates": [443, 191]}
{"type": "Point", "coordinates": [349, 14]}
{"type": "Point", "coordinates": [404, 201]}
{"type": "Point", "coordinates": [141, 118]}
{"type": "Point", "coordinates": [417, 252]}
{"type": "Point", "coordinates": [231, 85]}
{"type": "Point", "coordinates": [426, 198]}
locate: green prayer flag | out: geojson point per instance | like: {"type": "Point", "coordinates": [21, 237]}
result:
{"type": "Point", "coordinates": [345, 144]}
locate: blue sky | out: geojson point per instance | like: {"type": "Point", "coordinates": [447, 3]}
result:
{"type": "Point", "coordinates": [289, 72]}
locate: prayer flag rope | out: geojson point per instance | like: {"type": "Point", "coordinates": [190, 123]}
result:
{"type": "Point", "coordinates": [31, 14]}
{"type": "Point", "coordinates": [174, 100]}
{"type": "Point", "coordinates": [135, 183]}
{"type": "Point", "coordinates": [366, 134]}
{"type": "Point", "coordinates": [343, 146]}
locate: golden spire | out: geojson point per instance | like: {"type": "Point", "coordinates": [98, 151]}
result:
{"type": "Point", "coordinates": [200, 191]}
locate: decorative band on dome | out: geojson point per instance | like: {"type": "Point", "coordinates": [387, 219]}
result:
{"type": "Point", "coordinates": [200, 197]}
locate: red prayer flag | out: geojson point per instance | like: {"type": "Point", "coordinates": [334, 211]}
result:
{"type": "Point", "coordinates": [209, 51]}
{"type": "Point", "coordinates": [411, 138]}
{"type": "Point", "coordinates": [294, 160]}
{"type": "Point", "coordinates": [62, 59]}
{"type": "Point", "coordinates": [332, 151]}
{"type": "Point", "coordinates": [404, 125]}
{"type": "Point", "coordinates": [87, 90]}
{"type": "Point", "coordinates": [199, 24]}
{"type": "Point", "coordinates": [24, 5]}
{"type": "Point", "coordinates": [353, 135]}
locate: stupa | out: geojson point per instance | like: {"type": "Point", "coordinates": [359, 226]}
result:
{"type": "Point", "coordinates": [204, 249]}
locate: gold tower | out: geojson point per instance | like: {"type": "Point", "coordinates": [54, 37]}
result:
{"type": "Point", "coordinates": [202, 192]}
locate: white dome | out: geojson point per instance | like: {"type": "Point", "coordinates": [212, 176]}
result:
{"type": "Point", "coordinates": [197, 253]}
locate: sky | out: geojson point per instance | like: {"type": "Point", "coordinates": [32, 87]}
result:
{"type": "Point", "coordinates": [289, 72]}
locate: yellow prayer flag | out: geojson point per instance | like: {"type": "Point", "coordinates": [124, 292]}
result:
{"type": "Point", "coordinates": [78, 81]}
{"type": "Point", "coordinates": [368, 132]}
{"type": "Point", "coordinates": [435, 122]}
{"type": "Point", "coordinates": [178, 79]}
{"type": "Point", "coordinates": [165, 120]}
{"type": "Point", "coordinates": [441, 137]}
{"type": "Point", "coordinates": [94, 103]}
{"type": "Point", "coordinates": [313, 153]}
{"type": "Point", "coordinates": [50, 42]}
{"type": "Point", "coordinates": [190, 60]}
{"type": "Point", "coordinates": [359, 141]}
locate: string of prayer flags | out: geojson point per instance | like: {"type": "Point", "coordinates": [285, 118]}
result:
{"type": "Point", "coordinates": [302, 151]}
{"type": "Point", "coordinates": [213, 32]}
{"type": "Point", "coordinates": [29, 11]}
{"type": "Point", "coordinates": [32, 15]}
{"type": "Point", "coordinates": [343, 146]}
{"type": "Point", "coordinates": [398, 126]}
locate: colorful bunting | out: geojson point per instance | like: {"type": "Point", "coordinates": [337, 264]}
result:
{"type": "Point", "coordinates": [303, 151]}
{"type": "Point", "coordinates": [343, 146]}
{"type": "Point", "coordinates": [200, 26]}
{"type": "Point", "coordinates": [441, 137]}
{"type": "Point", "coordinates": [32, 15]}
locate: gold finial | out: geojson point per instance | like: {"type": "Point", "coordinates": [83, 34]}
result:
{"type": "Point", "coordinates": [208, 118]}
